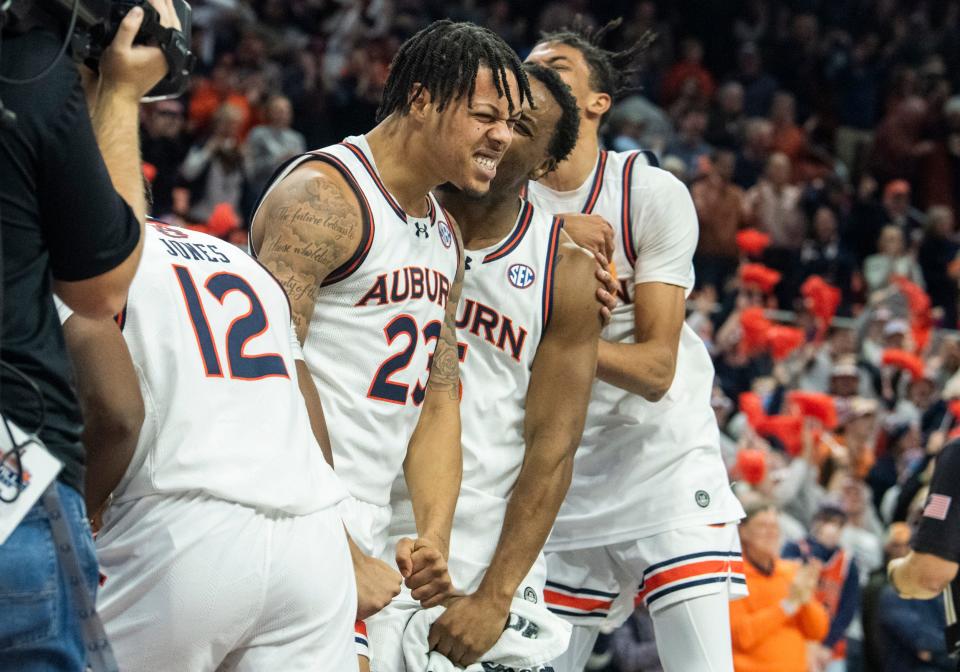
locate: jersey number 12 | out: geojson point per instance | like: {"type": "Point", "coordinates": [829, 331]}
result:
{"type": "Point", "coordinates": [239, 333]}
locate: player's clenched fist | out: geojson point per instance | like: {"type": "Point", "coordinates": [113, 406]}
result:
{"type": "Point", "coordinates": [377, 583]}
{"type": "Point", "coordinates": [423, 564]}
{"type": "Point", "coordinates": [469, 628]}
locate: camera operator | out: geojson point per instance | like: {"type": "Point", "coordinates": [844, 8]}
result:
{"type": "Point", "coordinates": [72, 210]}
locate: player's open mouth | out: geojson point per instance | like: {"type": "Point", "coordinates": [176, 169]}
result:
{"type": "Point", "coordinates": [487, 164]}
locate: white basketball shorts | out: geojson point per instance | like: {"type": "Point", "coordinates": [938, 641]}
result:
{"type": "Point", "coordinates": [197, 583]}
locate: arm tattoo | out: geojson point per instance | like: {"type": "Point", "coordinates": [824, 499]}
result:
{"type": "Point", "coordinates": [445, 371]}
{"type": "Point", "coordinates": [309, 232]}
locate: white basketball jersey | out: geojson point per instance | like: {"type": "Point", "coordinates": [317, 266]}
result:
{"type": "Point", "coordinates": [643, 467]}
{"type": "Point", "coordinates": [503, 313]}
{"type": "Point", "coordinates": [376, 324]}
{"type": "Point", "coordinates": [210, 336]}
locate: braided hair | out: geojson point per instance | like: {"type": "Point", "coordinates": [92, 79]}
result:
{"type": "Point", "coordinates": [444, 59]}
{"type": "Point", "coordinates": [611, 72]}
{"type": "Point", "coordinates": [568, 126]}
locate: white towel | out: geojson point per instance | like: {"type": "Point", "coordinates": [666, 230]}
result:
{"type": "Point", "coordinates": [532, 639]}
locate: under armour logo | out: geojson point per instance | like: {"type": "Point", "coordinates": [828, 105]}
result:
{"type": "Point", "coordinates": [466, 263]}
{"type": "Point", "coordinates": [422, 228]}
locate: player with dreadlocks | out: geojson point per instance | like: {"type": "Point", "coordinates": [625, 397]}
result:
{"type": "Point", "coordinates": [650, 517]}
{"type": "Point", "coordinates": [527, 320]}
{"type": "Point", "coordinates": [373, 268]}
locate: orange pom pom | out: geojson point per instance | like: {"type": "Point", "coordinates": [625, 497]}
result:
{"type": "Point", "coordinates": [752, 242]}
{"type": "Point", "coordinates": [906, 361]}
{"type": "Point", "coordinates": [815, 405]}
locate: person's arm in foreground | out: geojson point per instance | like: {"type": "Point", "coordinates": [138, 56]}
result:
{"type": "Point", "coordinates": [557, 399]}
{"type": "Point", "coordinates": [434, 464]}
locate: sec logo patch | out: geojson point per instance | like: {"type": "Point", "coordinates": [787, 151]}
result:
{"type": "Point", "coordinates": [520, 276]}
{"type": "Point", "coordinates": [445, 236]}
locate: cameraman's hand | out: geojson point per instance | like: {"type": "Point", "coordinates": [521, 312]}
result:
{"type": "Point", "coordinates": [132, 70]}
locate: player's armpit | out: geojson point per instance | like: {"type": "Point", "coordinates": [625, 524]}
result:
{"type": "Point", "coordinates": [308, 226]}
{"type": "Point", "coordinates": [556, 408]}
{"type": "Point", "coordinates": [109, 395]}
{"type": "Point", "coordinates": [647, 367]}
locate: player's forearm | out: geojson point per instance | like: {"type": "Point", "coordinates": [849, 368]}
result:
{"type": "Point", "coordinates": [433, 468]}
{"type": "Point", "coordinates": [532, 510]}
{"type": "Point", "coordinates": [115, 123]}
{"type": "Point", "coordinates": [922, 576]}
{"type": "Point", "coordinates": [110, 446]}
{"type": "Point", "coordinates": [645, 369]}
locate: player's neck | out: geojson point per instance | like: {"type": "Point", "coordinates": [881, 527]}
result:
{"type": "Point", "coordinates": [573, 171]}
{"type": "Point", "coordinates": [402, 165]}
{"type": "Point", "coordinates": [483, 221]}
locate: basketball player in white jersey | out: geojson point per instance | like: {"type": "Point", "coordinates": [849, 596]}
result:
{"type": "Point", "coordinates": [221, 545]}
{"type": "Point", "coordinates": [373, 267]}
{"type": "Point", "coordinates": [649, 516]}
{"type": "Point", "coordinates": [528, 327]}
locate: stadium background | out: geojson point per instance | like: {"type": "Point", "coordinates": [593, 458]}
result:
{"type": "Point", "coordinates": [828, 130]}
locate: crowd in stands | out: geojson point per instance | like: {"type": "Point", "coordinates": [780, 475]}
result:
{"type": "Point", "coordinates": [820, 140]}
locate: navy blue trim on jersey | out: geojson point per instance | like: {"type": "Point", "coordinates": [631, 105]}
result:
{"type": "Point", "coordinates": [581, 591]}
{"type": "Point", "coordinates": [651, 158]}
{"type": "Point", "coordinates": [548, 270]}
{"type": "Point", "coordinates": [577, 614]}
{"type": "Point", "coordinates": [121, 317]}
{"type": "Point", "coordinates": [625, 220]}
{"type": "Point", "coordinates": [691, 556]}
{"type": "Point", "coordinates": [368, 165]}
{"type": "Point", "coordinates": [688, 584]}
{"type": "Point", "coordinates": [597, 185]}
{"type": "Point", "coordinates": [513, 240]}
{"type": "Point", "coordinates": [452, 226]}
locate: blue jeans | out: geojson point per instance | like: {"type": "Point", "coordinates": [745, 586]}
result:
{"type": "Point", "coordinates": [39, 626]}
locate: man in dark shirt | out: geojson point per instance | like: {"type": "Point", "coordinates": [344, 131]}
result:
{"type": "Point", "coordinates": [71, 217]}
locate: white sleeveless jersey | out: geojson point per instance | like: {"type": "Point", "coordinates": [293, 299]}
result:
{"type": "Point", "coordinates": [376, 324]}
{"type": "Point", "coordinates": [643, 467]}
{"type": "Point", "coordinates": [503, 312]}
{"type": "Point", "coordinates": [211, 339]}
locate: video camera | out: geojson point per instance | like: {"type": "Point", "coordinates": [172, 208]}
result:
{"type": "Point", "coordinates": [95, 23]}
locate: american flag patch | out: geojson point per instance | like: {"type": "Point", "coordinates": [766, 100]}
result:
{"type": "Point", "coordinates": [937, 507]}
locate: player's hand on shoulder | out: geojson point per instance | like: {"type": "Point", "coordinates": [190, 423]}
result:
{"type": "Point", "coordinates": [469, 628]}
{"type": "Point", "coordinates": [377, 584]}
{"type": "Point", "coordinates": [591, 232]}
{"type": "Point", "coordinates": [423, 564]}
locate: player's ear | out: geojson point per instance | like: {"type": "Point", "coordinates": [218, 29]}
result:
{"type": "Point", "coordinates": [419, 100]}
{"type": "Point", "coordinates": [598, 104]}
{"type": "Point", "coordinates": [546, 167]}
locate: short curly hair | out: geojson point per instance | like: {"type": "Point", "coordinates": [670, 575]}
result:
{"type": "Point", "coordinates": [565, 133]}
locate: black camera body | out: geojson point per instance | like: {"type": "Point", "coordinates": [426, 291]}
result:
{"type": "Point", "coordinates": [96, 23]}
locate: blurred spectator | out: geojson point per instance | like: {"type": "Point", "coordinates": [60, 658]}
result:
{"type": "Point", "coordinates": [857, 76]}
{"type": "Point", "coordinates": [634, 646]}
{"type": "Point", "coordinates": [826, 255]}
{"type": "Point", "coordinates": [771, 626]}
{"type": "Point", "coordinates": [753, 157]}
{"type": "Point", "coordinates": [725, 127]}
{"type": "Point", "coordinates": [636, 123]}
{"type": "Point", "coordinates": [689, 67]}
{"type": "Point", "coordinates": [896, 545]}
{"type": "Point", "coordinates": [838, 587]}
{"type": "Point", "coordinates": [938, 258]}
{"type": "Point", "coordinates": [892, 259]}
{"type": "Point", "coordinates": [788, 138]}
{"type": "Point", "coordinates": [773, 206]}
{"type": "Point", "coordinates": [899, 144]}
{"type": "Point", "coordinates": [213, 172]}
{"type": "Point", "coordinates": [272, 143]}
{"type": "Point", "coordinates": [758, 86]}
{"type": "Point", "coordinates": [211, 94]}
{"type": "Point", "coordinates": [689, 145]}
{"type": "Point", "coordinates": [164, 145]}
{"type": "Point", "coordinates": [720, 210]}
{"type": "Point", "coordinates": [913, 634]}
